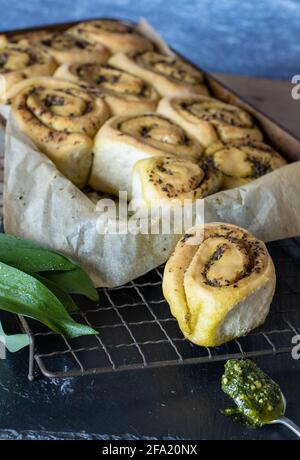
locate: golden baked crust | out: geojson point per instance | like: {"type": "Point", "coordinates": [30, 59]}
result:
{"type": "Point", "coordinates": [169, 75]}
{"type": "Point", "coordinates": [18, 62]}
{"type": "Point", "coordinates": [66, 48]}
{"type": "Point", "coordinates": [210, 120]}
{"type": "Point", "coordinates": [168, 180]}
{"type": "Point", "coordinates": [123, 93]}
{"type": "Point", "coordinates": [242, 161]}
{"type": "Point", "coordinates": [219, 283]}
{"type": "Point", "coordinates": [123, 140]}
{"type": "Point", "coordinates": [61, 118]}
{"type": "Point", "coordinates": [116, 35]}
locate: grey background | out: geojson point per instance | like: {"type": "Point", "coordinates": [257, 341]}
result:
{"type": "Point", "coordinates": [249, 37]}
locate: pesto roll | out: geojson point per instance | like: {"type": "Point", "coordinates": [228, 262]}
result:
{"type": "Point", "coordinates": [61, 118]}
{"type": "Point", "coordinates": [219, 283]}
{"type": "Point", "coordinates": [25, 38]}
{"type": "Point", "coordinates": [18, 62]}
{"type": "Point", "coordinates": [168, 180]}
{"type": "Point", "coordinates": [123, 93]}
{"type": "Point", "coordinates": [209, 120]}
{"type": "Point", "coordinates": [115, 35]}
{"type": "Point", "coordinates": [66, 48]}
{"type": "Point", "coordinates": [169, 75]}
{"type": "Point", "coordinates": [123, 140]}
{"type": "Point", "coordinates": [243, 160]}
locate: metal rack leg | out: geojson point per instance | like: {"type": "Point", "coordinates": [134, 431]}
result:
{"type": "Point", "coordinates": [31, 361]}
{"type": "Point", "coordinates": [27, 331]}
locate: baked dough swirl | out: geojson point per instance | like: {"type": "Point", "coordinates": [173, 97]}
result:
{"type": "Point", "coordinates": [68, 48]}
{"type": "Point", "coordinates": [210, 120]}
{"type": "Point", "coordinates": [168, 180]}
{"type": "Point", "coordinates": [61, 118]}
{"type": "Point", "coordinates": [18, 62]}
{"type": "Point", "coordinates": [169, 75]}
{"type": "Point", "coordinates": [123, 140]}
{"type": "Point", "coordinates": [116, 35]}
{"type": "Point", "coordinates": [123, 93]}
{"type": "Point", "coordinates": [219, 283]}
{"type": "Point", "coordinates": [242, 161]}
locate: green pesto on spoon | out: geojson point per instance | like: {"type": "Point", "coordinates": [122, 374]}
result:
{"type": "Point", "coordinates": [258, 398]}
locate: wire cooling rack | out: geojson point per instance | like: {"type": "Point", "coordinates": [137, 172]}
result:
{"type": "Point", "coordinates": [137, 331]}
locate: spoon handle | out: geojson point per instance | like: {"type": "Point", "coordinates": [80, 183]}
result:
{"type": "Point", "coordinates": [291, 425]}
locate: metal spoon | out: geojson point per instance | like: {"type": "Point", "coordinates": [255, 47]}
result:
{"type": "Point", "coordinates": [286, 421]}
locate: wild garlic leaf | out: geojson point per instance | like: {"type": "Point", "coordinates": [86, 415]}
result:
{"type": "Point", "coordinates": [74, 282]}
{"type": "Point", "coordinates": [63, 296]}
{"type": "Point", "coordinates": [22, 294]}
{"type": "Point", "coordinates": [30, 256]}
{"type": "Point", "coordinates": [13, 342]}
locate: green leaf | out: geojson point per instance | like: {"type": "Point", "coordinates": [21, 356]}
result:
{"type": "Point", "coordinates": [13, 342]}
{"type": "Point", "coordinates": [22, 294]}
{"type": "Point", "coordinates": [29, 256]}
{"type": "Point", "coordinates": [65, 298]}
{"type": "Point", "coordinates": [74, 282]}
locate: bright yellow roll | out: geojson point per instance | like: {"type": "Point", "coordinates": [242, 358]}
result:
{"type": "Point", "coordinates": [219, 283]}
{"type": "Point", "coordinates": [168, 180]}
{"type": "Point", "coordinates": [210, 120]}
{"type": "Point", "coordinates": [123, 93]}
{"type": "Point", "coordinates": [123, 140]}
{"type": "Point", "coordinates": [169, 75]}
{"type": "Point", "coordinates": [242, 161]}
{"type": "Point", "coordinates": [61, 118]}
{"type": "Point", "coordinates": [116, 35]}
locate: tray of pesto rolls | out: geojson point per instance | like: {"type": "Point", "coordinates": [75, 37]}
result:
{"type": "Point", "coordinates": [105, 126]}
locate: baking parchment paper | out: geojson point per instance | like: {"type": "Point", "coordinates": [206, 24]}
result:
{"type": "Point", "coordinates": [41, 204]}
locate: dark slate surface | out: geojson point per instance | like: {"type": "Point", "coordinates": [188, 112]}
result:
{"type": "Point", "coordinates": [250, 37]}
{"type": "Point", "coordinates": [170, 403]}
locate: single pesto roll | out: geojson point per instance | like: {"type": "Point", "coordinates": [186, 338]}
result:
{"type": "Point", "coordinates": [18, 62]}
{"type": "Point", "coordinates": [243, 160]}
{"type": "Point", "coordinates": [219, 283]}
{"type": "Point", "coordinates": [210, 120]}
{"type": "Point", "coordinates": [25, 38]}
{"type": "Point", "coordinates": [62, 119]}
{"type": "Point", "coordinates": [123, 93]}
{"type": "Point", "coordinates": [168, 180]}
{"type": "Point", "coordinates": [66, 48]}
{"type": "Point", "coordinates": [169, 75]}
{"type": "Point", "coordinates": [115, 35]}
{"type": "Point", "coordinates": [123, 140]}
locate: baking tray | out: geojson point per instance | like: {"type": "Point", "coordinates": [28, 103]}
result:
{"type": "Point", "coordinates": [136, 329]}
